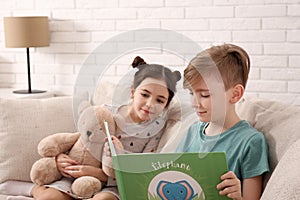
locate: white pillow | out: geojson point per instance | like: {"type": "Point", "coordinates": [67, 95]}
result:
{"type": "Point", "coordinates": [279, 122]}
{"type": "Point", "coordinates": [23, 123]}
{"type": "Point", "coordinates": [103, 93]}
{"type": "Point", "coordinates": [284, 183]}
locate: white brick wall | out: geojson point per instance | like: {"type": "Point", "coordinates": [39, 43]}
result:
{"type": "Point", "coordinates": [269, 30]}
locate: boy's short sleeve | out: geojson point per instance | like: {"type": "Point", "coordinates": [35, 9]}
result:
{"type": "Point", "coordinates": [182, 145]}
{"type": "Point", "coordinates": [187, 143]}
{"type": "Point", "coordinates": [255, 157]}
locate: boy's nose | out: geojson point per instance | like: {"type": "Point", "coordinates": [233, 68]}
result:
{"type": "Point", "coordinates": [196, 102]}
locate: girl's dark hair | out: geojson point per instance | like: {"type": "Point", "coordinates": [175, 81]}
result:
{"type": "Point", "coordinates": [157, 72]}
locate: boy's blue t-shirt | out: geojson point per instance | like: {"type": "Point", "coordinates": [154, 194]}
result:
{"type": "Point", "coordinates": [245, 147]}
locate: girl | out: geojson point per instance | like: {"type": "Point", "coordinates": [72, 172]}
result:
{"type": "Point", "coordinates": [140, 125]}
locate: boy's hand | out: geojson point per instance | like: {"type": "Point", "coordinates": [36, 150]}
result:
{"type": "Point", "coordinates": [230, 186]}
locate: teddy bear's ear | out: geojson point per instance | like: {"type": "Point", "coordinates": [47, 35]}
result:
{"type": "Point", "coordinates": [82, 106]}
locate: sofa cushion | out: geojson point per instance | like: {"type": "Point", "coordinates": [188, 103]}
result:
{"type": "Point", "coordinates": [284, 183]}
{"type": "Point", "coordinates": [279, 122]}
{"type": "Point", "coordinates": [106, 93]}
{"type": "Point", "coordinates": [181, 116]}
{"type": "Point", "coordinates": [23, 123]}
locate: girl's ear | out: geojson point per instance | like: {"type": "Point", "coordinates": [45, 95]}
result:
{"type": "Point", "coordinates": [237, 93]}
{"type": "Point", "coordinates": [132, 93]}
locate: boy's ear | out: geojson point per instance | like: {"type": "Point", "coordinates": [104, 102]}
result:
{"type": "Point", "coordinates": [237, 93]}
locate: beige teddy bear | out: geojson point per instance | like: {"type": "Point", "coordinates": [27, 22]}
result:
{"type": "Point", "coordinates": [84, 146]}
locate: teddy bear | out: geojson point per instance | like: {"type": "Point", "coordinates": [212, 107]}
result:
{"type": "Point", "coordinates": [84, 146]}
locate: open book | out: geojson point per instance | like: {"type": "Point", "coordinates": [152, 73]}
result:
{"type": "Point", "coordinates": [166, 176]}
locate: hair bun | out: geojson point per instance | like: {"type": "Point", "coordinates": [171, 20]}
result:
{"type": "Point", "coordinates": [138, 61]}
{"type": "Point", "coordinates": [177, 75]}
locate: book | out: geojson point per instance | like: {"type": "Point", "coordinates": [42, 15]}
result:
{"type": "Point", "coordinates": [166, 176]}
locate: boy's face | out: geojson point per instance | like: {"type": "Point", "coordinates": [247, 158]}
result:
{"type": "Point", "coordinates": [201, 100]}
{"type": "Point", "coordinates": [149, 99]}
{"type": "Point", "coordinates": [208, 102]}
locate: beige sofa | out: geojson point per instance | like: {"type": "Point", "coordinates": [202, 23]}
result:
{"type": "Point", "coordinates": [23, 123]}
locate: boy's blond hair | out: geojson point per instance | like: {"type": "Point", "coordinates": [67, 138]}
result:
{"type": "Point", "coordinates": [231, 61]}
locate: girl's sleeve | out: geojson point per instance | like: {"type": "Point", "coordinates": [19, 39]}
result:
{"type": "Point", "coordinates": [152, 144]}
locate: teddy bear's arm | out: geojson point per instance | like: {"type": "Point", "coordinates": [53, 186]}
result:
{"type": "Point", "coordinates": [57, 143]}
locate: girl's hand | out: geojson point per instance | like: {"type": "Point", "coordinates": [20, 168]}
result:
{"type": "Point", "coordinates": [117, 144]}
{"type": "Point", "coordinates": [107, 159]}
{"type": "Point", "coordinates": [63, 161]}
{"type": "Point", "coordinates": [77, 171]}
{"type": "Point", "coordinates": [230, 186]}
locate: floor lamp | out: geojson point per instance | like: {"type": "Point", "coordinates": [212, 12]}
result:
{"type": "Point", "coordinates": [26, 32]}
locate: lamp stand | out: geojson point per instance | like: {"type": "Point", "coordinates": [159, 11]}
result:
{"type": "Point", "coordinates": [29, 91]}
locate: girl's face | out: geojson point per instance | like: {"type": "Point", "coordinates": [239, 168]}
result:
{"type": "Point", "coordinates": [149, 100]}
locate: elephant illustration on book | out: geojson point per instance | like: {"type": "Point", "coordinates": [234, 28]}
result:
{"type": "Point", "coordinates": [180, 190]}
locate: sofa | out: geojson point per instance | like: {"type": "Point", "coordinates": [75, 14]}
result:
{"type": "Point", "coordinates": [24, 122]}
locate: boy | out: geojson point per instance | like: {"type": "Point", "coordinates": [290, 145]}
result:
{"type": "Point", "coordinates": [217, 78]}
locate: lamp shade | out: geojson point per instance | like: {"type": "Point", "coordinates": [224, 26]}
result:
{"type": "Point", "coordinates": [26, 31]}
